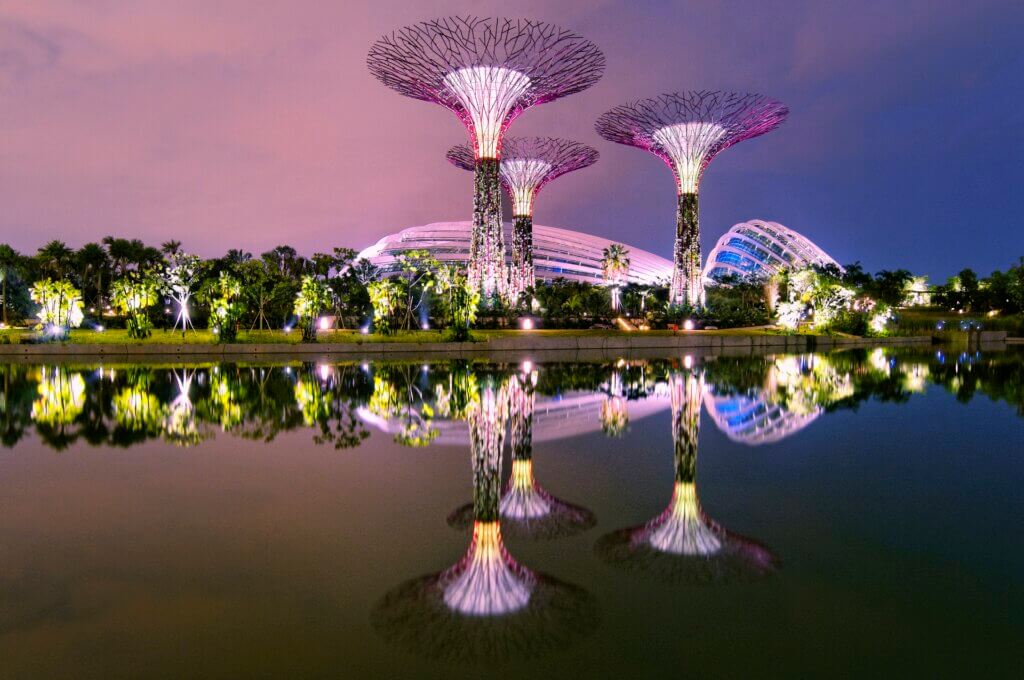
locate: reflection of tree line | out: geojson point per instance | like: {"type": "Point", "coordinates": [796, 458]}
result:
{"type": "Point", "coordinates": [125, 406]}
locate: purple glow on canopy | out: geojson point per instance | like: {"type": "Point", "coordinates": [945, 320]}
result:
{"type": "Point", "coordinates": [529, 163]}
{"type": "Point", "coordinates": [688, 129]}
{"type": "Point", "coordinates": [485, 70]}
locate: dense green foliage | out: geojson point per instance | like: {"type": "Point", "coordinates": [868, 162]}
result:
{"type": "Point", "coordinates": [423, 294]}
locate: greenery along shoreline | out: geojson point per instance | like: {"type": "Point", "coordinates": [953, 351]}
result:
{"type": "Point", "coordinates": [124, 284]}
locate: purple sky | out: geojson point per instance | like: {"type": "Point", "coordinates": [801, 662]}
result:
{"type": "Point", "coordinates": [235, 124]}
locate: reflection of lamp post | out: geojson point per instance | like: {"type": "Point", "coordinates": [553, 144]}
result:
{"type": "Point", "coordinates": [486, 606]}
{"type": "Point", "coordinates": [682, 544]}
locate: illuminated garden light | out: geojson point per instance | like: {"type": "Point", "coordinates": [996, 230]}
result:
{"type": "Point", "coordinates": [487, 72]}
{"type": "Point", "coordinates": [365, 330]}
{"type": "Point", "coordinates": [687, 130]}
{"type": "Point", "coordinates": [527, 164]}
{"type": "Point", "coordinates": [99, 328]}
{"type": "Point", "coordinates": [526, 324]}
{"type": "Point", "coordinates": [324, 323]}
{"type": "Point", "coordinates": [426, 326]}
{"type": "Point", "coordinates": [688, 325]}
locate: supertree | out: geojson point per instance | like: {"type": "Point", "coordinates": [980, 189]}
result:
{"type": "Point", "coordinates": [486, 607]}
{"type": "Point", "coordinates": [682, 544]}
{"type": "Point", "coordinates": [487, 71]}
{"type": "Point", "coordinates": [526, 509]}
{"type": "Point", "coordinates": [686, 130]}
{"type": "Point", "coordinates": [527, 164]}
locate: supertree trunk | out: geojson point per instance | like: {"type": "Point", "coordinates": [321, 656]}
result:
{"type": "Point", "coordinates": [686, 398]}
{"type": "Point", "coordinates": [521, 276]}
{"type": "Point", "coordinates": [487, 421]}
{"type": "Point", "coordinates": [487, 247]}
{"type": "Point", "coordinates": [687, 286]}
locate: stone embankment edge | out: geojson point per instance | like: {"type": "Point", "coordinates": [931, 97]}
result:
{"type": "Point", "coordinates": [624, 344]}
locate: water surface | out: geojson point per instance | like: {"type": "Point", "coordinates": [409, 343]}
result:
{"type": "Point", "coordinates": [854, 512]}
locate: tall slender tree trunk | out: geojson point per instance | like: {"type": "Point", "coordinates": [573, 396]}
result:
{"type": "Point", "coordinates": [521, 277]}
{"type": "Point", "coordinates": [487, 243]}
{"type": "Point", "coordinates": [687, 286]}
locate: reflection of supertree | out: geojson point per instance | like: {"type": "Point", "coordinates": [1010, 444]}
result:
{"type": "Point", "coordinates": [486, 607]}
{"type": "Point", "coordinates": [527, 164]}
{"type": "Point", "coordinates": [527, 509]}
{"type": "Point", "coordinates": [682, 544]}
{"type": "Point", "coordinates": [687, 130]}
{"type": "Point", "coordinates": [486, 71]}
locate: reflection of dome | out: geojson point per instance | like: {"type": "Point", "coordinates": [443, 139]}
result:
{"type": "Point", "coordinates": [758, 248]}
{"type": "Point", "coordinates": [554, 418]}
{"type": "Point", "coordinates": [556, 252]}
{"type": "Point", "coordinates": [752, 420]}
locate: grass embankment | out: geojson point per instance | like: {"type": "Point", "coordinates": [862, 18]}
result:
{"type": "Point", "coordinates": [204, 337]}
{"type": "Point", "coordinates": [923, 321]}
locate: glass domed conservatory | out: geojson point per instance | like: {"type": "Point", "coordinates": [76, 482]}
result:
{"type": "Point", "coordinates": [759, 248]}
{"type": "Point", "coordinates": [557, 253]}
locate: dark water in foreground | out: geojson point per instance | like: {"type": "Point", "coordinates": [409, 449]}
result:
{"type": "Point", "coordinates": [853, 513]}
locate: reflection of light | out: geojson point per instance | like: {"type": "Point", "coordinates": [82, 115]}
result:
{"type": "Point", "coordinates": [684, 531]}
{"type": "Point", "coordinates": [527, 366]}
{"type": "Point", "coordinates": [366, 367]}
{"type": "Point", "coordinates": [325, 371]}
{"type": "Point", "coordinates": [688, 361]}
{"type": "Point", "coordinates": [488, 584]}
{"type": "Point", "coordinates": [522, 500]}
{"type": "Point", "coordinates": [688, 325]}
{"type": "Point", "coordinates": [526, 324]}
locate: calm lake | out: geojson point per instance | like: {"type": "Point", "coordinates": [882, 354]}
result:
{"type": "Point", "coordinates": [854, 513]}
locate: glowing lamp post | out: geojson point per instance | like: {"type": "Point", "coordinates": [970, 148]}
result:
{"type": "Point", "coordinates": [487, 72]}
{"type": "Point", "coordinates": [687, 130]}
{"type": "Point", "coordinates": [526, 165]}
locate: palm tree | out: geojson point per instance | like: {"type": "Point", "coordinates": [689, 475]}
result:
{"type": "Point", "coordinates": [237, 257]}
{"type": "Point", "coordinates": [10, 263]}
{"type": "Point", "coordinates": [120, 251]}
{"type": "Point", "coordinates": [170, 248]}
{"type": "Point", "coordinates": [93, 262]}
{"type": "Point", "coordinates": [55, 258]}
{"type": "Point", "coordinates": [615, 265]}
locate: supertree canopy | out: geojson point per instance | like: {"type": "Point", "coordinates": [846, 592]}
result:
{"type": "Point", "coordinates": [527, 164]}
{"type": "Point", "coordinates": [682, 544]}
{"type": "Point", "coordinates": [487, 71]}
{"type": "Point", "coordinates": [686, 130]}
